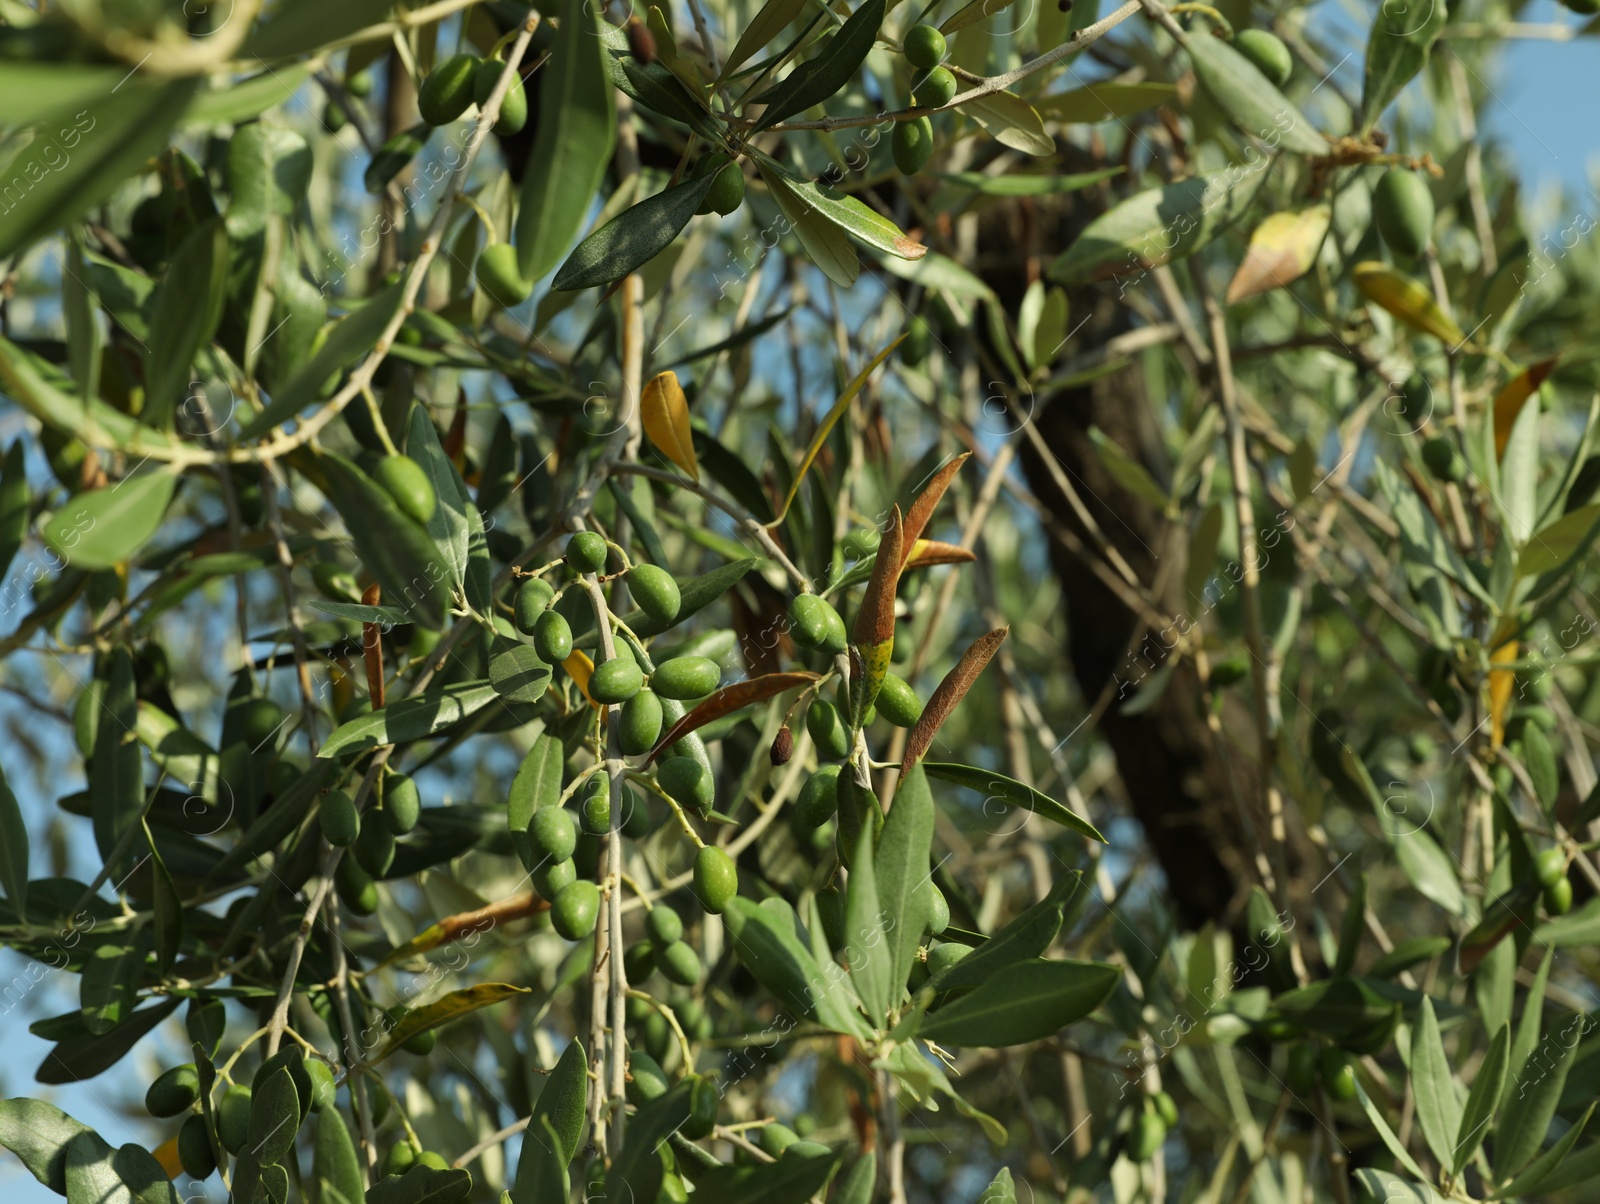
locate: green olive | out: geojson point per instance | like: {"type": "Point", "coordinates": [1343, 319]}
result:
{"type": "Point", "coordinates": [716, 880]}
{"type": "Point", "coordinates": [924, 46]}
{"type": "Point", "coordinates": [499, 276]}
{"type": "Point", "coordinates": [1266, 53]}
{"type": "Point", "coordinates": [586, 552]}
{"type": "Point", "coordinates": [898, 702]}
{"type": "Point", "coordinates": [703, 1100]}
{"type": "Point", "coordinates": [513, 105]}
{"type": "Point", "coordinates": [573, 911]}
{"type": "Point", "coordinates": [1402, 207]}
{"type": "Point", "coordinates": [405, 481]}
{"type": "Point", "coordinates": [616, 680]}
{"type": "Point", "coordinates": [194, 1148]}
{"type": "Point", "coordinates": [664, 925]}
{"type": "Point", "coordinates": [1302, 1074]}
{"type": "Point", "coordinates": [912, 144]}
{"type": "Point", "coordinates": [688, 783]}
{"type": "Point", "coordinates": [233, 1118]}
{"type": "Point", "coordinates": [596, 808]}
{"type": "Point", "coordinates": [173, 1091]}
{"type": "Point", "coordinates": [552, 877]}
{"type": "Point", "coordinates": [646, 1079]}
{"type": "Point", "coordinates": [552, 637]}
{"type": "Point", "coordinates": [935, 89]}
{"type": "Point", "coordinates": [816, 625]}
{"type": "Point", "coordinates": [680, 963]}
{"type": "Point", "coordinates": [339, 820]}
{"type": "Point", "coordinates": [1550, 866]}
{"type": "Point", "coordinates": [655, 591]}
{"type": "Point", "coordinates": [447, 92]}
{"type": "Point", "coordinates": [553, 834]}
{"type": "Point", "coordinates": [402, 806]}
{"type": "Point", "coordinates": [1338, 1079]}
{"type": "Point", "coordinates": [1558, 897]}
{"type": "Point", "coordinates": [374, 848]}
{"type": "Point", "coordinates": [818, 800]}
{"type": "Point", "coordinates": [639, 726]}
{"type": "Point", "coordinates": [402, 1156]}
{"type": "Point", "coordinates": [828, 731]}
{"type": "Point", "coordinates": [533, 597]}
{"type": "Point", "coordinates": [685, 677]}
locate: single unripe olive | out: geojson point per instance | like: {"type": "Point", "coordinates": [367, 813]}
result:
{"type": "Point", "coordinates": [553, 877]}
{"type": "Point", "coordinates": [775, 1139]}
{"type": "Point", "coordinates": [680, 963]}
{"type": "Point", "coordinates": [1166, 1108]}
{"type": "Point", "coordinates": [586, 552]}
{"type": "Point", "coordinates": [532, 598]}
{"type": "Point", "coordinates": [1421, 748]}
{"type": "Point", "coordinates": [655, 591]}
{"type": "Point", "coordinates": [1558, 897]}
{"type": "Point", "coordinates": [447, 92]}
{"type": "Point", "coordinates": [339, 820]}
{"type": "Point", "coordinates": [258, 721]}
{"type": "Point", "coordinates": [1302, 1075]}
{"type": "Point", "coordinates": [816, 625]}
{"type": "Point", "coordinates": [390, 159]}
{"type": "Point", "coordinates": [194, 1148]}
{"type": "Point", "coordinates": [639, 962]}
{"type": "Point", "coordinates": [827, 730]}
{"type": "Point", "coordinates": [912, 144]}
{"type": "Point", "coordinates": [646, 1079]}
{"type": "Point", "coordinates": [552, 637]}
{"type": "Point", "coordinates": [818, 800]}
{"type": "Point", "coordinates": [703, 1100]}
{"type": "Point", "coordinates": [322, 1088]}
{"type": "Point", "coordinates": [636, 821]}
{"type": "Point", "coordinates": [898, 702]}
{"type": "Point", "coordinates": [513, 105]}
{"type": "Point", "coordinates": [402, 1156]}
{"type": "Point", "coordinates": [586, 858]}
{"type": "Point", "coordinates": [500, 277]}
{"type": "Point", "coordinates": [616, 680]}
{"type": "Point", "coordinates": [639, 727]}
{"type": "Point", "coordinates": [918, 342]}
{"type": "Point", "coordinates": [433, 1160]}
{"type": "Point", "coordinates": [233, 1118]}
{"type": "Point", "coordinates": [174, 1091]}
{"type": "Point", "coordinates": [1402, 206]}
{"type": "Point", "coordinates": [1228, 670]}
{"type": "Point", "coordinates": [924, 46]}
{"type": "Point", "coordinates": [664, 925]}
{"type": "Point", "coordinates": [1443, 460]}
{"type": "Point", "coordinates": [1146, 1136]}
{"type": "Point", "coordinates": [356, 888]}
{"type": "Point", "coordinates": [688, 783]}
{"type": "Point", "coordinates": [1276, 1027]}
{"type": "Point", "coordinates": [939, 911]}
{"type": "Point", "coordinates": [686, 677]}
{"type": "Point", "coordinates": [1337, 1078]}
{"type": "Point", "coordinates": [552, 834]}
{"type": "Point", "coordinates": [334, 582]}
{"type": "Point", "coordinates": [727, 191]}
{"type": "Point", "coordinates": [596, 807]}
{"type": "Point", "coordinates": [935, 89]}
{"type": "Point", "coordinates": [402, 805]}
{"type": "Point", "coordinates": [421, 1043]}
{"type": "Point", "coordinates": [716, 881]}
{"type": "Point", "coordinates": [1550, 866]}
{"type": "Point", "coordinates": [1266, 53]}
{"type": "Point", "coordinates": [942, 957]}
{"type": "Point", "coordinates": [405, 481]}
{"type": "Point", "coordinates": [374, 849]}
{"type": "Point", "coordinates": [573, 911]}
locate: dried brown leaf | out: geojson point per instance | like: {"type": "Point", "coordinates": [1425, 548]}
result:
{"type": "Point", "coordinates": [922, 509]}
{"type": "Point", "coordinates": [928, 552]}
{"type": "Point", "coordinates": [729, 699]}
{"type": "Point", "coordinates": [875, 619]}
{"type": "Point", "coordinates": [951, 691]}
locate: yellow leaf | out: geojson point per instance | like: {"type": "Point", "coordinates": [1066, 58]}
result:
{"type": "Point", "coordinates": [1508, 402]}
{"type": "Point", "coordinates": [579, 667]}
{"type": "Point", "coordinates": [828, 423]}
{"type": "Point", "coordinates": [1407, 299]}
{"type": "Point", "coordinates": [1282, 249]}
{"type": "Point", "coordinates": [1500, 683]}
{"type": "Point", "coordinates": [665, 413]}
{"type": "Point", "coordinates": [167, 1155]}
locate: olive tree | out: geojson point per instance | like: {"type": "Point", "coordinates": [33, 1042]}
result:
{"type": "Point", "coordinates": [791, 601]}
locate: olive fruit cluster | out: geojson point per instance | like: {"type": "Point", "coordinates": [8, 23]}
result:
{"type": "Point", "coordinates": [1329, 1065]}
{"type": "Point", "coordinates": [465, 79]}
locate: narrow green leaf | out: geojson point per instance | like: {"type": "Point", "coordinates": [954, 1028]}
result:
{"type": "Point", "coordinates": [829, 421]}
{"type": "Point", "coordinates": [572, 148]}
{"type": "Point", "coordinates": [1011, 121]}
{"type": "Point", "coordinates": [1158, 226]}
{"type": "Point", "coordinates": [1001, 1189]}
{"type": "Point", "coordinates": [422, 1185]}
{"type": "Point", "coordinates": [1392, 1189]}
{"type": "Point", "coordinates": [849, 213]}
{"type": "Point", "coordinates": [335, 1166]}
{"type": "Point", "coordinates": [517, 673]}
{"type": "Point", "coordinates": [1539, 1171]}
{"type": "Point", "coordinates": [299, 26]}
{"type": "Point", "coordinates": [1555, 545]}
{"type": "Point", "coordinates": [1025, 938]}
{"type": "Point", "coordinates": [248, 98]}
{"type": "Point", "coordinates": [409, 719]}
{"type": "Point", "coordinates": [1434, 1086]}
{"type": "Point", "coordinates": [1000, 788]}
{"type": "Point", "coordinates": [792, 1179]}
{"type": "Point", "coordinates": [542, 1173]}
{"type": "Point", "coordinates": [774, 17]}
{"type": "Point", "coordinates": [564, 1099]}
{"type": "Point", "coordinates": [1518, 495]}
{"type": "Point", "coordinates": [868, 936]}
{"type": "Point", "coordinates": [167, 906]}
{"type": "Point", "coordinates": [349, 341]}
{"type": "Point", "coordinates": [392, 544]}
{"type": "Point", "coordinates": [78, 1058]}
{"type": "Point", "coordinates": [823, 77]}
{"type": "Point", "coordinates": [105, 527]}
{"type": "Point", "coordinates": [1102, 102]}
{"type": "Point", "coordinates": [636, 1170]}
{"type": "Point", "coordinates": [824, 242]}
{"type": "Point", "coordinates": [40, 389]}
{"type": "Point", "coordinates": [1351, 928]}
{"type": "Point", "coordinates": [1024, 1002]}
{"type": "Point", "coordinates": [1482, 1101]}
{"type": "Point", "coordinates": [1402, 35]}
{"type": "Point", "coordinates": [75, 164]}
{"type": "Point", "coordinates": [772, 952]}
{"type": "Point", "coordinates": [536, 786]}
{"type": "Point", "coordinates": [1251, 101]}
{"type": "Point", "coordinates": [1017, 184]}
{"type": "Point", "coordinates": [1531, 1098]}
{"type": "Point", "coordinates": [447, 1008]}
{"type": "Point", "coordinates": [633, 238]}
{"type": "Point", "coordinates": [188, 306]}
{"type": "Point", "coordinates": [859, 1181]}
{"type": "Point", "coordinates": [904, 850]}
{"type": "Point", "coordinates": [274, 1118]}
{"type": "Point", "coordinates": [39, 1133]}
{"type": "Point", "coordinates": [80, 308]}
{"type": "Point", "coordinates": [1386, 1134]}
{"type": "Point", "coordinates": [116, 782]}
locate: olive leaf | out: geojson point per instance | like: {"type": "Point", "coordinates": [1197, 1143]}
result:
{"type": "Point", "coordinates": [664, 411]}
{"type": "Point", "coordinates": [1104, 101]}
{"type": "Point", "coordinates": [829, 421]}
{"type": "Point", "coordinates": [816, 81]}
{"type": "Point", "coordinates": [1407, 299]}
{"type": "Point", "coordinates": [105, 527]}
{"type": "Point", "coordinates": [447, 1008]}
{"type": "Point", "coordinates": [1282, 249]}
{"type": "Point", "coordinates": [1251, 101]}
{"type": "Point", "coordinates": [729, 699]}
{"type": "Point", "coordinates": [634, 237]}
{"type": "Point", "coordinates": [1025, 1001]}
{"type": "Point", "coordinates": [1397, 49]}
{"type": "Point", "coordinates": [409, 718]}
{"type": "Point", "coordinates": [949, 693]}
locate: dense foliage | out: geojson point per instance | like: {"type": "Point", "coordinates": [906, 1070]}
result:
{"type": "Point", "coordinates": [767, 600]}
